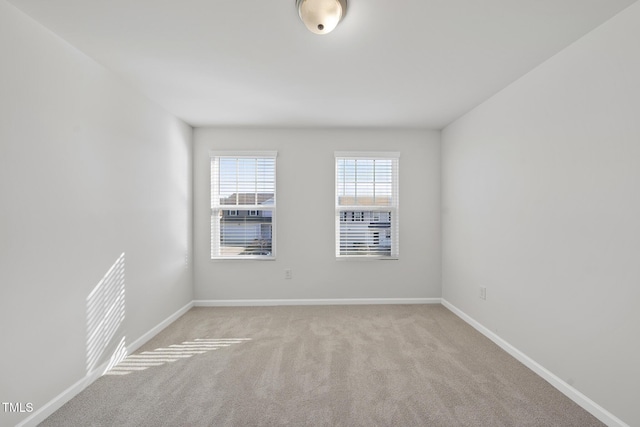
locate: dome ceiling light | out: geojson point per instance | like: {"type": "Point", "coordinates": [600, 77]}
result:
{"type": "Point", "coordinates": [321, 16]}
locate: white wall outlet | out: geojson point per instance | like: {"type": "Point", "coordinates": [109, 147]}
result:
{"type": "Point", "coordinates": [483, 292]}
{"type": "Point", "coordinates": [288, 274]}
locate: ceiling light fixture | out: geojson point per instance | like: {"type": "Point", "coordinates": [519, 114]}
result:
{"type": "Point", "coordinates": [321, 16]}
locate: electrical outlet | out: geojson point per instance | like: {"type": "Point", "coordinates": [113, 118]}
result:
{"type": "Point", "coordinates": [288, 274]}
{"type": "Point", "coordinates": [483, 292]}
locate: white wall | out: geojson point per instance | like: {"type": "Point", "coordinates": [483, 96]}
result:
{"type": "Point", "coordinates": [541, 204]}
{"type": "Point", "coordinates": [305, 218]}
{"type": "Point", "coordinates": [88, 171]}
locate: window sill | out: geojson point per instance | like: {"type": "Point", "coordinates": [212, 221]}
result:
{"type": "Point", "coordinates": [366, 258]}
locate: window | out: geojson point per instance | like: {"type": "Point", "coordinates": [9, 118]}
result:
{"type": "Point", "coordinates": [367, 208]}
{"type": "Point", "coordinates": [243, 205]}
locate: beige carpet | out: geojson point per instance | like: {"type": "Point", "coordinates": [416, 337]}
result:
{"type": "Point", "coordinates": [401, 365]}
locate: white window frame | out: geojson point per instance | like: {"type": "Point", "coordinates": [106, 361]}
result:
{"type": "Point", "coordinates": [394, 206]}
{"type": "Point", "coordinates": [217, 208]}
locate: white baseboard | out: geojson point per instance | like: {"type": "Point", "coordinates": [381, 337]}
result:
{"type": "Point", "coordinates": [57, 402]}
{"type": "Point", "coordinates": [589, 405]}
{"type": "Point", "coordinates": [158, 328]}
{"type": "Point", "coordinates": [337, 301]}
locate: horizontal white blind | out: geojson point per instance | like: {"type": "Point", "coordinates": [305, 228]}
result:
{"type": "Point", "coordinates": [243, 205]}
{"type": "Point", "coordinates": [367, 205]}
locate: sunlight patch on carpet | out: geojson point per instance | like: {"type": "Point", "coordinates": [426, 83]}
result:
{"type": "Point", "coordinates": [172, 353]}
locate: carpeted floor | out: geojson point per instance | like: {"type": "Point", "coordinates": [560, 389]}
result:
{"type": "Point", "coordinates": [383, 365]}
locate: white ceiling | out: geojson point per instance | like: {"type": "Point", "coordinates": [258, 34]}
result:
{"type": "Point", "coordinates": [391, 63]}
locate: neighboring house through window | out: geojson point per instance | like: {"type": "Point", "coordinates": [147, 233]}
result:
{"type": "Point", "coordinates": [367, 205]}
{"type": "Point", "coordinates": [243, 205]}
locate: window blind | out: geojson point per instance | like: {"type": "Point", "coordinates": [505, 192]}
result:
{"type": "Point", "coordinates": [243, 205]}
{"type": "Point", "coordinates": [367, 205]}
